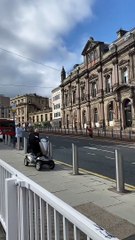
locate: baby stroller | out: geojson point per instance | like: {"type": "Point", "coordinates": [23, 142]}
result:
{"type": "Point", "coordinates": [38, 153]}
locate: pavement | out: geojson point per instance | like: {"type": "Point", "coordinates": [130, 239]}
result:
{"type": "Point", "coordinates": [90, 194]}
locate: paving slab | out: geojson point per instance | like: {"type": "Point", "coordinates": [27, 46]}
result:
{"type": "Point", "coordinates": [91, 195]}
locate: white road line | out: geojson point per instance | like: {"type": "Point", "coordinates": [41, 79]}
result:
{"type": "Point", "coordinates": [93, 154]}
{"type": "Point", "coordinates": [133, 163]}
{"type": "Point", "coordinates": [125, 146]}
{"type": "Point", "coordinates": [109, 157]}
{"type": "Point", "coordinates": [98, 149]}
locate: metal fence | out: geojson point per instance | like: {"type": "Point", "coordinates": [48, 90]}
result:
{"type": "Point", "coordinates": [29, 212]}
{"type": "Point", "coordinates": [97, 132]}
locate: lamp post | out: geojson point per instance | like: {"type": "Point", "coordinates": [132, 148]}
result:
{"type": "Point", "coordinates": [13, 110]}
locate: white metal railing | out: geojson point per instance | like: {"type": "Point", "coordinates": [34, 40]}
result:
{"type": "Point", "coordinates": [29, 212]}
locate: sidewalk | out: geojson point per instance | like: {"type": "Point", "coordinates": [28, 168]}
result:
{"type": "Point", "coordinates": [93, 196]}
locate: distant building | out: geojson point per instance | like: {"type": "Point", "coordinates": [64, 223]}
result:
{"type": "Point", "coordinates": [43, 118]}
{"type": "Point", "coordinates": [27, 104]}
{"type": "Point", "coordinates": [100, 92]}
{"type": "Point", "coordinates": [4, 107]}
{"type": "Point", "coordinates": [56, 107]}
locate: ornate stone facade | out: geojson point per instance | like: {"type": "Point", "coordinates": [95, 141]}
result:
{"type": "Point", "coordinates": [100, 92]}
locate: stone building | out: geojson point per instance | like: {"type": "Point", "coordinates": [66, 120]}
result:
{"type": "Point", "coordinates": [100, 92]}
{"type": "Point", "coordinates": [26, 104]}
{"type": "Point", "coordinates": [4, 107]}
{"type": "Point", "coordinates": [56, 107]}
{"type": "Point", "coordinates": [41, 117]}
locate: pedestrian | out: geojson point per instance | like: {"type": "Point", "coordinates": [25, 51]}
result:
{"type": "Point", "coordinates": [34, 141]}
{"type": "Point", "coordinates": [19, 135]}
{"type": "Point", "coordinates": [90, 131]}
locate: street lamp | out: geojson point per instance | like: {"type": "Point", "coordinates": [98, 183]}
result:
{"type": "Point", "coordinates": [13, 110]}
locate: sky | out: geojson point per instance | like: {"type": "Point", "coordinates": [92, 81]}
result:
{"type": "Point", "coordinates": [38, 37]}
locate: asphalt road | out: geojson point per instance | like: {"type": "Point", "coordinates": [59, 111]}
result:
{"type": "Point", "coordinates": [97, 156]}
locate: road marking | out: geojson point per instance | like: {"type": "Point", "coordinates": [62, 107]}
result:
{"type": "Point", "coordinates": [133, 163]}
{"type": "Point", "coordinates": [98, 149]}
{"type": "Point", "coordinates": [93, 154]}
{"type": "Point", "coordinates": [109, 157]}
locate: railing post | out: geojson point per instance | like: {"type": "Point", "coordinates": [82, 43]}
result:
{"type": "Point", "coordinates": [75, 159]}
{"type": "Point", "coordinates": [6, 139]}
{"type": "Point", "coordinates": [119, 171]}
{"type": "Point", "coordinates": [120, 133]}
{"type": "Point", "coordinates": [11, 207]}
{"type": "Point", "coordinates": [25, 145]}
{"type": "Point", "coordinates": [50, 150]}
{"type": "Point", "coordinates": [18, 143]}
{"type": "Point", "coordinates": [9, 140]}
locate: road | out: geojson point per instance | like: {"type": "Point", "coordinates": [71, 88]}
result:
{"type": "Point", "coordinates": [97, 156]}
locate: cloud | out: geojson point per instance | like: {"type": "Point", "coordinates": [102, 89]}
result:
{"type": "Point", "coordinates": [36, 29]}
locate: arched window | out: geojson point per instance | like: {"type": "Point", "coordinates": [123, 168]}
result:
{"type": "Point", "coordinates": [110, 111]}
{"type": "Point", "coordinates": [127, 113]}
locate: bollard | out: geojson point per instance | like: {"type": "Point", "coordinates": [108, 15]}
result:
{"type": "Point", "coordinates": [18, 143]}
{"type": "Point", "coordinates": [9, 140]}
{"type": "Point", "coordinates": [6, 138]}
{"type": "Point", "coordinates": [50, 150]}
{"type": "Point", "coordinates": [25, 144]}
{"type": "Point", "coordinates": [119, 172]}
{"type": "Point", "coordinates": [75, 159]}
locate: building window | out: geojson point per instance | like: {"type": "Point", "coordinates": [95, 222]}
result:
{"type": "Point", "coordinates": [37, 118]}
{"type": "Point", "coordinates": [74, 97]}
{"type": "Point", "coordinates": [66, 99]}
{"type": "Point", "coordinates": [33, 119]}
{"type": "Point", "coordinates": [95, 116]}
{"type": "Point", "coordinates": [108, 83]}
{"type": "Point", "coordinates": [82, 93]}
{"type": "Point", "coordinates": [125, 75]}
{"type": "Point", "coordinates": [110, 111]}
{"type": "Point", "coordinates": [94, 89]}
{"type": "Point", "coordinates": [56, 97]}
{"type": "Point", "coordinates": [56, 106]}
{"type": "Point", "coordinates": [46, 119]}
{"type": "Point", "coordinates": [41, 118]}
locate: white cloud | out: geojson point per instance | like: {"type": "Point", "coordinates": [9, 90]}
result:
{"type": "Point", "coordinates": [36, 29]}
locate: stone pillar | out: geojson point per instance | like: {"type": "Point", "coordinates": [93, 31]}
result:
{"type": "Point", "coordinates": [88, 116]}
{"type": "Point", "coordinates": [100, 83]}
{"type": "Point", "coordinates": [115, 80]}
{"type": "Point", "coordinates": [101, 114]}
{"type": "Point", "coordinates": [78, 118]}
{"type": "Point", "coordinates": [132, 66]}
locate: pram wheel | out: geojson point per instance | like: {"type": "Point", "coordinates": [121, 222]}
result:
{"type": "Point", "coordinates": [26, 161]}
{"type": "Point", "coordinates": [51, 164]}
{"type": "Point", "coordinates": [38, 165]}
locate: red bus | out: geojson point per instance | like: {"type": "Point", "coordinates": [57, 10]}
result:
{"type": "Point", "coordinates": [7, 126]}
